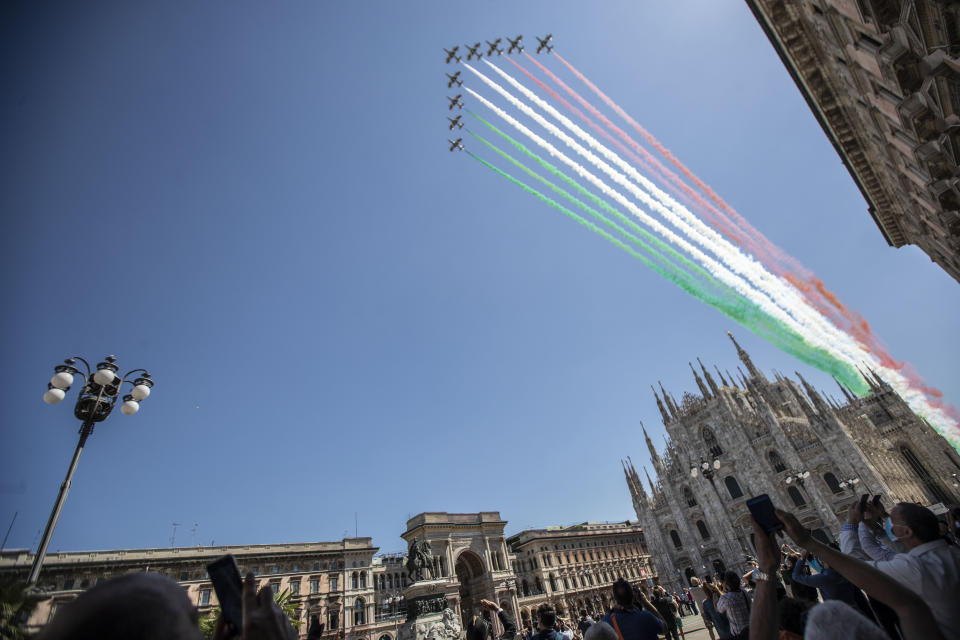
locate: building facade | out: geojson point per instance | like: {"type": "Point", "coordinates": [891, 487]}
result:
{"type": "Point", "coordinates": [750, 435]}
{"type": "Point", "coordinates": [882, 78]}
{"type": "Point", "coordinates": [358, 593]}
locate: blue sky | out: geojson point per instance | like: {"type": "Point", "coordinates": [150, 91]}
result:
{"type": "Point", "coordinates": [257, 204]}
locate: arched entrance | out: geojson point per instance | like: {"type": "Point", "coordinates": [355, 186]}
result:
{"type": "Point", "coordinates": [470, 574]}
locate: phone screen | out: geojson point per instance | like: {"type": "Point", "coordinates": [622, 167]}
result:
{"type": "Point", "coordinates": [762, 511]}
{"type": "Point", "coordinates": [226, 581]}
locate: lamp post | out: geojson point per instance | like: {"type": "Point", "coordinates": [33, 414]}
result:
{"type": "Point", "coordinates": [799, 477]}
{"type": "Point", "coordinates": [705, 468]}
{"type": "Point", "coordinates": [849, 483]}
{"type": "Point", "coordinates": [101, 389]}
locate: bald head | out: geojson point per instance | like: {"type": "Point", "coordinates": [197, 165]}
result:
{"type": "Point", "coordinates": [137, 606]}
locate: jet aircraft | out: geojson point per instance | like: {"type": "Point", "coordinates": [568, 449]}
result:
{"type": "Point", "coordinates": [455, 145]}
{"type": "Point", "coordinates": [455, 122]}
{"type": "Point", "coordinates": [455, 102]}
{"type": "Point", "coordinates": [454, 79]}
{"type": "Point", "coordinates": [493, 46]}
{"type": "Point", "coordinates": [543, 43]}
{"type": "Point", "coordinates": [515, 45]}
{"type": "Point", "coordinates": [452, 54]}
{"type": "Point", "coordinates": [472, 51]}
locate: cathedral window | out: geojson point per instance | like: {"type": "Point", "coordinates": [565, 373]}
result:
{"type": "Point", "coordinates": [832, 482]}
{"type": "Point", "coordinates": [733, 487]}
{"type": "Point", "coordinates": [776, 462]}
{"type": "Point", "coordinates": [676, 539]}
{"type": "Point", "coordinates": [711, 441]}
{"type": "Point", "coordinates": [702, 528]}
{"type": "Point", "coordinates": [796, 496]}
{"type": "Point", "coordinates": [688, 496]}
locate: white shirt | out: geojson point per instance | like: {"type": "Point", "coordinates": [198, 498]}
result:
{"type": "Point", "coordinates": [931, 570]}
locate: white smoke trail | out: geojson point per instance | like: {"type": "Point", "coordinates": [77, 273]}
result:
{"type": "Point", "coordinates": [817, 331]}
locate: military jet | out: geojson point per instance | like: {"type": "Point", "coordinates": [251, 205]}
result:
{"type": "Point", "coordinates": [493, 46]}
{"type": "Point", "coordinates": [455, 122]}
{"type": "Point", "coordinates": [452, 54]}
{"type": "Point", "coordinates": [455, 145]}
{"type": "Point", "coordinates": [514, 45]}
{"type": "Point", "coordinates": [454, 79]}
{"type": "Point", "coordinates": [543, 43]}
{"type": "Point", "coordinates": [455, 102]}
{"type": "Point", "coordinates": [472, 51]}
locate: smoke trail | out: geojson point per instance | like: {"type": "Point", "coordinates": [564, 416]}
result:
{"type": "Point", "coordinates": [837, 340]}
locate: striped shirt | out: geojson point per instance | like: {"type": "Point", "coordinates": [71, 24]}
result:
{"type": "Point", "coordinates": [736, 606]}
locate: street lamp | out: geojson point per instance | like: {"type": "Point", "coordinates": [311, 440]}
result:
{"type": "Point", "coordinates": [100, 392]}
{"type": "Point", "coordinates": [849, 483]}
{"type": "Point", "coordinates": [797, 477]}
{"type": "Point", "coordinates": [955, 479]}
{"type": "Point", "coordinates": [706, 468]}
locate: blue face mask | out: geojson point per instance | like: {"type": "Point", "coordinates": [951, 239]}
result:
{"type": "Point", "coordinates": [888, 527]}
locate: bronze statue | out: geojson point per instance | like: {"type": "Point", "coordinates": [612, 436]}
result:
{"type": "Point", "coordinates": [419, 561]}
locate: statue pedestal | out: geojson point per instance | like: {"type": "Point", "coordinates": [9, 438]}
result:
{"type": "Point", "coordinates": [430, 611]}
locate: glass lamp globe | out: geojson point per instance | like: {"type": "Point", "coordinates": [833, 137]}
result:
{"type": "Point", "coordinates": [129, 407]}
{"type": "Point", "coordinates": [693, 472]}
{"type": "Point", "coordinates": [789, 479]}
{"type": "Point", "coordinates": [716, 464]}
{"type": "Point", "coordinates": [806, 474]}
{"type": "Point", "coordinates": [62, 380]}
{"type": "Point", "coordinates": [104, 376]}
{"type": "Point", "coordinates": [53, 396]}
{"type": "Point", "coordinates": [140, 392]}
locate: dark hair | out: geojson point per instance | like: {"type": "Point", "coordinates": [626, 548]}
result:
{"type": "Point", "coordinates": [477, 628]}
{"type": "Point", "coordinates": [731, 580]}
{"type": "Point", "coordinates": [793, 615]}
{"type": "Point", "coordinates": [547, 615]}
{"type": "Point", "coordinates": [623, 593]}
{"type": "Point", "coordinates": [583, 614]}
{"type": "Point", "coordinates": [921, 520]}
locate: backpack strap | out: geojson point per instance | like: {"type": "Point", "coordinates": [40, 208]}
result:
{"type": "Point", "coordinates": [616, 627]}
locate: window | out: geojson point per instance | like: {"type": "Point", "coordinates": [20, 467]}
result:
{"type": "Point", "coordinates": [204, 597]}
{"type": "Point", "coordinates": [354, 566]}
{"type": "Point", "coordinates": [354, 580]}
{"type": "Point", "coordinates": [358, 612]}
{"type": "Point", "coordinates": [294, 587]}
{"type": "Point", "coordinates": [255, 571]}
{"type": "Point", "coordinates": [733, 487]}
{"type": "Point", "coordinates": [274, 569]}
{"type": "Point", "coordinates": [688, 496]}
{"type": "Point", "coordinates": [363, 579]}
{"type": "Point", "coordinates": [314, 586]}
{"type": "Point", "coordinates": [68, 584]}
{"type": "Point", "coordinates": [676, 539]}
{"type": "Point", "coordinates": [332, 619]}
{"type": "Point", "coordinates": [184, 576]}
{"type": "Point", "coordinates": [333, 583]}
{"type": "Point", "coordinates": [776, 462]}
{"type": "Point", "coordinates": [316, 566]}
{"type": "Point", "coordinates": [702, 528]}
{"type": "Point", "coordinates": [711, 441]}
{"type": "Point", "coordinates": [796, 496]}
{"type": "Point", "coordinates": [295, 568]}
{"type": "Point", "coordinates": [832, 482]}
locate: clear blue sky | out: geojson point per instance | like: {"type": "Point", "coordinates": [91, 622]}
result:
{"type": "Point", "coordinates": [256, 203]}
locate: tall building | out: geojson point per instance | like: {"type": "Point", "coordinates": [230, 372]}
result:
{"type": "Point", "coordinates": [882, 78]}
{"type": "Point", "coordinates": [358, 593]}
{"type": "Point", "coordinates": [747, 435]}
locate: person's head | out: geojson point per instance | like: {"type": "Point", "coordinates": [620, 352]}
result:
{"type": "Point", "coordinates": [836, 619]}
{"type": "Point", "coordinates": [695, 582]}
{"type": "Point", "coordinates": [546, 616]}
{"type": "Point", "coordinates": [913, 525]}
{"type": "Point", "coordinates": [137, 606]}
{"type": "Point", "coordinates": [623, 593]}
{"type": "Point", "coordinates": [793, 615]}
{"type": "Point", "coordinates": [600, 631]}
{"type": "Point", "coordinates": [731, 581]}
{"type": "Point", "coordinates": [583, 614]}
{"type": "Point", "coordinates": [478, 628]}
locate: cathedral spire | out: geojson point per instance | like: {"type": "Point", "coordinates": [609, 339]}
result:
{"type": "Point", "coordinates": [670, 403]}
{"type": "Point", "coordinates": [745, 359]}
{"type": "Point", "coordinates": [710, 382]}
{"type": "Point", "coordinates": [880, 381]}
{"type": "Point", "coordinates": [743, 378]}
{"type": "Point", "coordinates": [733, 381]}
{"type": "Point", "coordinates": [843, 389]}
{"type": "Point", "coordinates": [723, 380]}
{"type": "Point", "coordinates": [871, 383]}
{"type": "Point", "coordinates": [663, 411]}
{"type": "Point", "coordinates": [653, 489]}
{"type": "Point", "coordinates": [654, 456]}
{"type": "Point", "coordinates": [703, 387]}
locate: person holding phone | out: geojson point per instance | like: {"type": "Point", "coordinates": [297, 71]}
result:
{"type": "Point", "coordinates": [832, 585]}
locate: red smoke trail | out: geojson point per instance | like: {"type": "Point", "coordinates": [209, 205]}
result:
{"type": "Point", "coordinates": [813, 288]}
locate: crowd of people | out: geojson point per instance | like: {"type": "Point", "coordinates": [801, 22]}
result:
{"type": "Point", "coordinates": [891, 576]}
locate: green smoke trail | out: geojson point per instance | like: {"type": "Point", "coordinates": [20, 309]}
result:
{"type": "Point", "coordinates": [739, 309]}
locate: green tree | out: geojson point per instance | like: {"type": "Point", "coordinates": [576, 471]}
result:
{"type": "Point", "coordinates": [16, 604]}
{"type": "Point", "coordinates": [283, 598]}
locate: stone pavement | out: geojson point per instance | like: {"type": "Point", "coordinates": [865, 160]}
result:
{"type": "Point", "coordinates": [693, 629]}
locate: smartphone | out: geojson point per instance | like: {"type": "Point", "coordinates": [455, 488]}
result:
{"type": "Point", "coordinates": [762, 511]}
{"type": "Point", "coordinates": [227, 583]}
{"type": "Point", "coordinates": [863, 501]}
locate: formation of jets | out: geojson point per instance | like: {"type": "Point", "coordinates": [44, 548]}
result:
{"type": "Point", "coordinates": [455, 102]}
{"type": "Point", "coordinates": [455, 145]}
{"type": "Point", "coordinates": [455, 122]}
{"type": "Point", "coordinates": [454, 79]}
{"type": "Point", "coordinates": [513, 46]}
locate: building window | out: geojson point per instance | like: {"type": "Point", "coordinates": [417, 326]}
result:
{"type": "Point", "coordinates": [333, 583]}
{"type": "Point", "coordinates": [363, 579]}
{"type": "Point", "coordinates": [354, 580]}
{"type": "Point", "coordinates": [316, 566]}
{"type": "Point", "coordinates": [711, 441]}
{"type": "Point", "coordinates": [676, 539]}
{"type": "Point", "coordinates": [832, 482]}
{"type": "Point", "coordinates": [796, 496]}
{"type": "Point", "coordinates": [184, 576]}
{"type": "Point", "coordinates": [688, 496]}
{"type": "Point", "coordinates": [204, 597]}
{"type": "Point", "coordinates": [776, 462]}
{"type": "Point", "coordinates": [68, 584]}
{"type": "Point", "coordinates": [314, 586]}
{"type": "Point", "coordinates": [358, 612]}
{"type": "Point", "coordinates": [274, 569]}
{"type": "Point", "coordinates": [702, 528]}
{"type": "Point", "coordinates": [275, 586]}
{"type": "Point", "coordinates": [295, 568]}
{"type": "Point", "coordinates": [332, 619]}
{"type": "Point", "coordinates": [294, 587]}
{"type": "Point", "coordinates": [255, 571]}
{"type": "Point", "coordinates": [733, 487]}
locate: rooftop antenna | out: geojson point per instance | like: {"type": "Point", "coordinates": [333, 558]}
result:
{"type": "Point", "coordinates": [4, 543]}
{"type": "Point", "coordinates": [193, 533]}
{"type": "Point", "coordinates": [356, 526]}
{"type": "Point", "coordinates": [174, 536]}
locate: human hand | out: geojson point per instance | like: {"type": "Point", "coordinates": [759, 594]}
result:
{"type": "Point", "coordinates": [797, 532]}
{"type": "Point", "coordinates": [854, 515]}
{"type": "Point", "coordinates": [222, 630]}
{"type": "Point", "coordinates": [263, 619]}
{"type": "Point", "coordinates": [487, 604]}
{"type": "Point", "coordinates": [768, 555]}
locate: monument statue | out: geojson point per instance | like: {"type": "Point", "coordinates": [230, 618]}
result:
{"type": "Point", "coordinates": [419, 560]}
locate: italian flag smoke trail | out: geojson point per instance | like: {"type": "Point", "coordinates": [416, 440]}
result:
{"type": "Point", "coordinates": [731, 304]}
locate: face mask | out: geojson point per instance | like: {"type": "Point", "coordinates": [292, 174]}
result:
{"type": "Point", "coordinates": [888, 527]}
